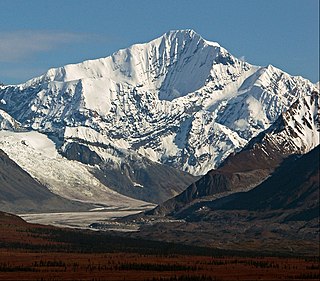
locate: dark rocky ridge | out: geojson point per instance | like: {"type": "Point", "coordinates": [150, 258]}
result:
{"type": "Point", "coordinates": [279, 215]}
{"type": "Point", "coordinates": [291, 192]}
{"type": "Point", "coordinates": [152, 182]}
{"type": "Point", "coordinates": [246, 169]}
{"type": "Point", "coordinates": [239, 172]}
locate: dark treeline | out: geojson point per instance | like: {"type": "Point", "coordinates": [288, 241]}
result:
{"type": "Point", "coordinates": [155, 267]}
{"type": "Point", "coordinates": [185, 278]}
{"type": "Point", "coordinates": [253, 263]}
{"type": "Point", "coordinates": [7, 267]}
{"type": "Point", "coordinates": [54, 263]}
{"type": "Point", "coordinates": [102, 242]}
{"type": "Point", "coordinates": [308, 276]}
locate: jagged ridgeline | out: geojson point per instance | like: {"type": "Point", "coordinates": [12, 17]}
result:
{"type": "Point", "coordinates": [146, 119]}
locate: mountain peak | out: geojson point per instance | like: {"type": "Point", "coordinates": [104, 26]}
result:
{"type": "Point", "coordinates": [164, 64]}
{"type": "Point", "coordinates": [188, 34]}
{"type": "Point", "coordinates": [178, 99]}
{"type": "Point", "coordinates": [182, 32]}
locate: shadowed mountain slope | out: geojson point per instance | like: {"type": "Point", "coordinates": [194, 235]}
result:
{"type": "Point", "coordinates": [279, 215]}
{"type": "Point", "coordinates": [295, 132]}
{"type": "Point", "coordinates": [290, 193]}
{"type": "Point", "coordinates": [20, 193]}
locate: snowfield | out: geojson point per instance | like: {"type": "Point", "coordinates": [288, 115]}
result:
{"type": "Point", "coordinates": [37, 155]}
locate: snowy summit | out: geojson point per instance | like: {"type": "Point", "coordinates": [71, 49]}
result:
{"type": "Point", "coordinates": [178, 100]}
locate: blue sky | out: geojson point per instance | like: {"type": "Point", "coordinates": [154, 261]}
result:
{"type": "Point", "coordinates": [37, 35]}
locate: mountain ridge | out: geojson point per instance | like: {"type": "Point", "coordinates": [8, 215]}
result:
{"type": "Point", "coordinates": [179, 101]}
{"type": "Point", "coordinates": [281, 213]}
{"type": "Point", "coordinates": [242, 171]}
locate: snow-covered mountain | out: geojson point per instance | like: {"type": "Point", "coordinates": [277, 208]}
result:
{"type": "Point", "coordinates": [298, 129]}
{"type": "Point", "coordinates": [7, 122]}
{"type": "Point", "coordinates": [296, 132]}
{"type": "Point", "coordinates": [178, 100]}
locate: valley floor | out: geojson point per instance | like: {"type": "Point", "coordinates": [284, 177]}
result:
{"type": "Point", "coordinates": [47, 253]}
{"type": "Point", "coordinates": [80, 219]}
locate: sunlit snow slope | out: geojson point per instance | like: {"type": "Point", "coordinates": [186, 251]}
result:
{"type": "Point", "coordinates": [178, 100]}
{"type": "Point", "coordinates": [35, 153]}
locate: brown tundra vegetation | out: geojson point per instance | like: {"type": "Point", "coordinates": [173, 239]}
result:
{"type": "Point", "coordinates": [35, 252]}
